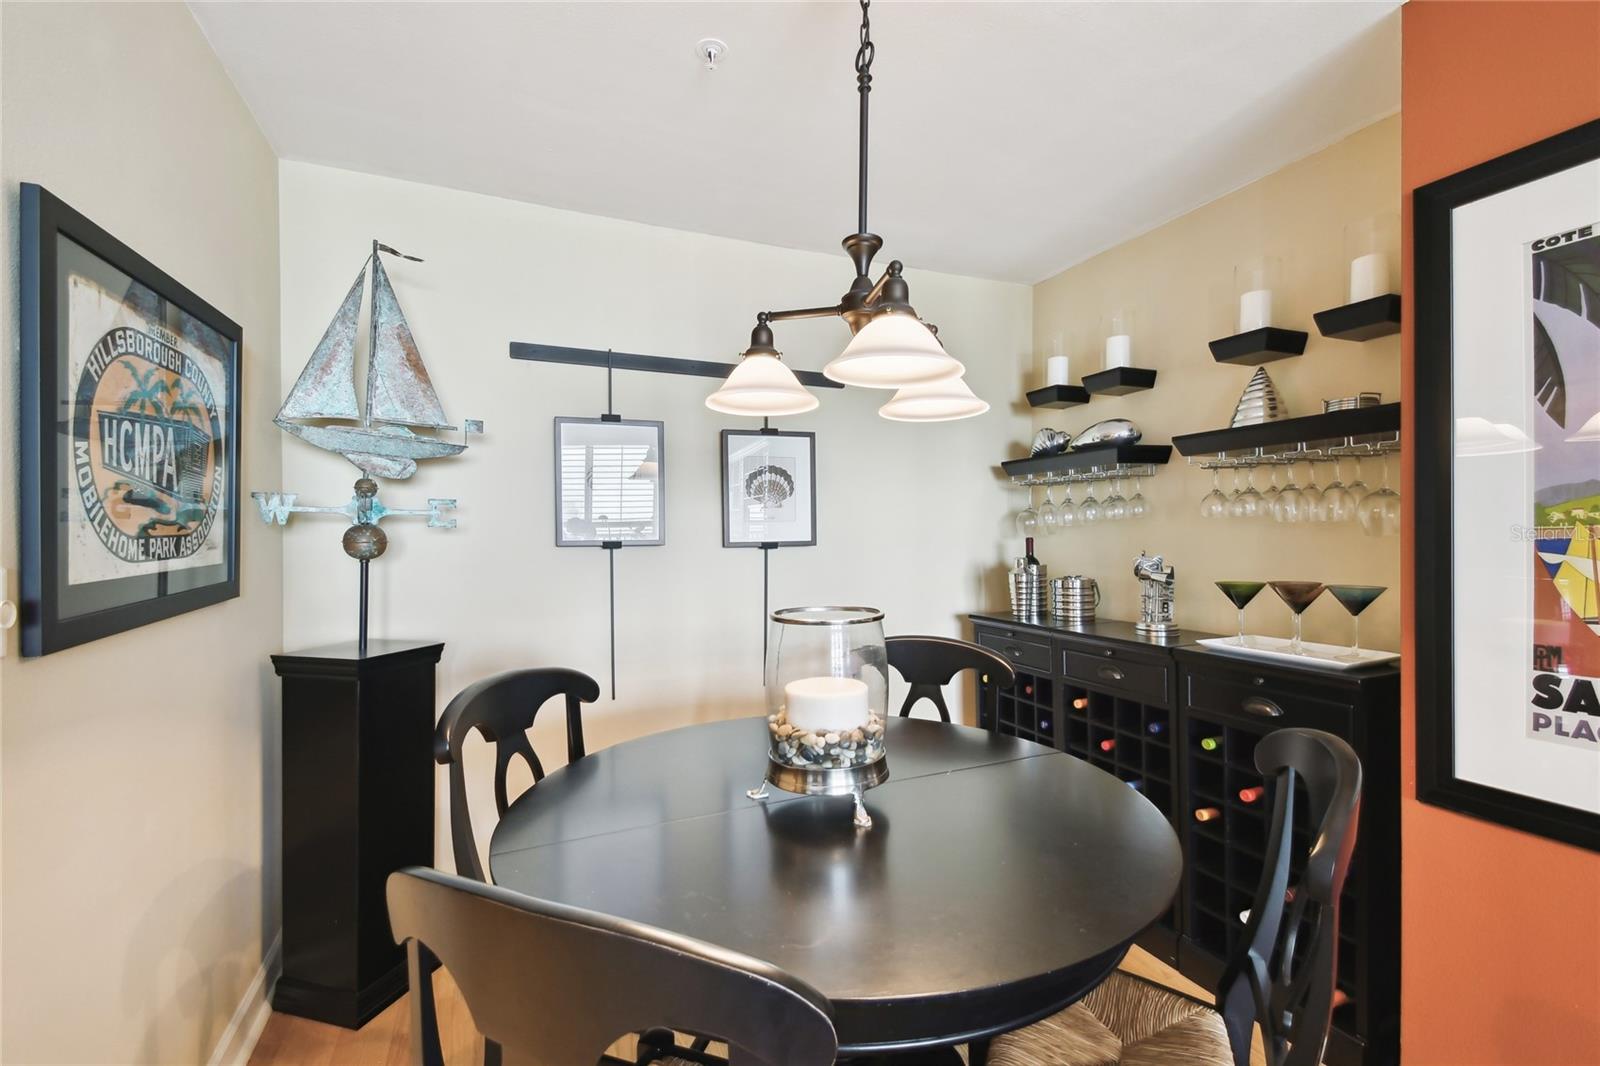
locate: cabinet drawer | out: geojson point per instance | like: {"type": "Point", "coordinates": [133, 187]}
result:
{"type": "Point", "coordinates": [1274, 705]}
{"type": "Point", "coordinates": [1032, 654]}
{"type": "Point", "coordinates": [1113, 672]}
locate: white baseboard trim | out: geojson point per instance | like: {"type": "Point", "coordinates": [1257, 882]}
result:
{"type": "Point", "coordinates": [250, 1017]}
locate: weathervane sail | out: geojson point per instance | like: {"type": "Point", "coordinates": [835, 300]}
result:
{"type": "Point", "coordinates": [399, 394]}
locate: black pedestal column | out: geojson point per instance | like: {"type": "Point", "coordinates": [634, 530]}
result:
{"type": "Point", "coordinates": [358, 780]}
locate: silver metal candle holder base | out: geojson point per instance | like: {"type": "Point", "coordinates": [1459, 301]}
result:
{"type": "Point", "coordinates": [827, 781]}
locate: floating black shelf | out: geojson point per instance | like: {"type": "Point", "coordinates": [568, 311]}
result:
{"type": "Point", "coordinates": [1334, 425]}
{"type": "Point", "coordinates": [1110, 455]}
{"type": "Point", "coordinates": [1058, 396]}
{"type": "Point", "coordinates": [1259, 346]}
{"type": "Point", "coordinates": [1119, 381]}
{"type": "Point", "coordinates": [1362, 320]}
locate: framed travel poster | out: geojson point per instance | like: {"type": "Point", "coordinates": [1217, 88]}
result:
{"type": "Point", "coordinates": [130, 436]}
{"type": "Point", "coordinates": [769, 488]}
{"type": "Point", "coordinates": [610, 483]}
{"type": "Point", "coordinates": [1508, 489]}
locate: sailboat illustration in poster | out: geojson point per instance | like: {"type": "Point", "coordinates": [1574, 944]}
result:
{"type": "Point", "coordinates": [1566, 469]}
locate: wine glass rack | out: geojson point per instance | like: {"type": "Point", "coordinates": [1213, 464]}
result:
{"type": "Point", "coordinates": [1183, 722]}
{"type": "Point", "coordinates": [1088, 464]}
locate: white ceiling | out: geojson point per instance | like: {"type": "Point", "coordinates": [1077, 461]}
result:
{"type": "Point", "coordinates": [1009, 140]}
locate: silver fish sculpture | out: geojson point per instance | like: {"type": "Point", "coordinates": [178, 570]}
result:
{"type": "Point", "coordinates": [1110, 431]}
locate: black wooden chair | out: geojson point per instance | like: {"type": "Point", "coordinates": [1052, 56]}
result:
{"type": "Point", "coordinates": [557, 985]}
{"type": "Point", "coordinates": [1283, 973]}
{"type": "Point", "coordinates": [502, 708]}
{"type": "Point", "coordinates": [930, 663]}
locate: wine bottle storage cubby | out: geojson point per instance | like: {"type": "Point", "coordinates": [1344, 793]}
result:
{"type": "Point", "coordinates": [1027, 709]}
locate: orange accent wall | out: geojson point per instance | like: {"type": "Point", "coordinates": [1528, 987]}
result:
{"type": "Point", "coordinates": [1501, 933]}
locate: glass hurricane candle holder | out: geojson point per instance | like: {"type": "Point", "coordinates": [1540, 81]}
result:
{"type": "Point", "coordinates": [1253, 282]}
{"type": "Point", "coordinates": [827, 700]}
{"type": "Point", "coordinates": [1367, 242]}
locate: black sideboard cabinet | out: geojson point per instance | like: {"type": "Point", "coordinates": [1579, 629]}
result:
{"type": "Point", "coordinates": [1180, 722]}
{"type": "Point", "coordinates": [358, 778]}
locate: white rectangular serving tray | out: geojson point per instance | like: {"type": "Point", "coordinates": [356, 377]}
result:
{"type": "Point", "coordinates": [1276, 649]}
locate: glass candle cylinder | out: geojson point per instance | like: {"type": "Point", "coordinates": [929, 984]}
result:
{"type": "Point", "coordinates": [1057, 371]}
{"type": "Point", "coordinates": [1119, 338]}
{"type": "Point", "coordinates": [827, 687]}
{"type": "Point", "coordinates": [1367, 242]}
{"type": "Point", "coordinates": [1254, 281]}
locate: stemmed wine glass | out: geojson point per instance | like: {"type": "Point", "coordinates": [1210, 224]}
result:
{"type": "Point", "coordinates": [1089, 509]}
{"type": "Point", "coordinates": [1249, 500]}
{"type": "Point", "coordinates": [1269, 498]}
{"type": "Point", "coordinates": [1116, 507]}
{"type": "Point", "coordinates": [1048, 518]}
{"type": "Point", "coordinates": [1358, 492]}
{"type": "Point", "coordinates": [1311, 504]}
{"type": "Point", "coordinates": [1214, 504]}
{"type": "Point", "coordinates": [1067, 513]}
{"type": "Point", "coordinates": [1241, 593]}
{"type": "Point", "coordinates": [1380, 511]}
{"type": "Point", "coordinates": [1355, 599]}
{"type": "Point", "coordinates": [1028, 518]}
{"type": "Point", "coordinates": [1138, 507]}
{"type": "Point", "coordinates": [1287, 507]}
{"type": "Point", "coordinates": [1338, 502]}
{"type": "Point", "coordinates": [1298, 595]}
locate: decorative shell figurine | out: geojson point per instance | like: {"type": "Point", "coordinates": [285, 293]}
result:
{"type": "Point", "coordinates": [1111, 431]}
{"type": "Point", "coordinates": [1260, 401]}
{"type": "Point", "coordinates": [1050, 442]}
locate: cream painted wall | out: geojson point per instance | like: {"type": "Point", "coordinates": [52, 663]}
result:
{"type": "Point", "coordinates": [1180, 277]}
{"type": "Point", "coordinates": [910, 517]}
{"type": "Point", "coordinates": [138, 771]}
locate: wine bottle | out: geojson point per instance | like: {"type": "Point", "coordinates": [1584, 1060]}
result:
{"type": "Point", "coordinates": [1108, 744]}
{"type": "Point", "coordinates": [1211, 743]}
{"type": "Point", "coordinates": [1081, 703]}
{"type": "Point", "coordinates": [1339, 998]}
{"type": "Point", "coordinates": [1029, 557]}
{"type": "Point", "coordinates": [1156, 727]}
{"type": "Point", "coordinates": [1207, 814]}
{"type": "Point", "coordinates": [1253, 793]}
{"type": "Point", "coordinates": [1027, 690]}
{"type": "Point", "coordinates": [1244, 916]}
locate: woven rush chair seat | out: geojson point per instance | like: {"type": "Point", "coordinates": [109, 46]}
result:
{"type": "Point", "coordinates": [1126, 1021]}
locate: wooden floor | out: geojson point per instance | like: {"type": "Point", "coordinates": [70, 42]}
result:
{"type": "Point", "coordinates": [386, 1040]}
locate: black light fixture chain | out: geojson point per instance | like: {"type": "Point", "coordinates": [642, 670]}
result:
{"type": "Point", "coordinates": [864, 57]}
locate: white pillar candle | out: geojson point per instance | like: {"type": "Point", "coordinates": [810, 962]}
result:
{"type": "Point", "coordinates": [1119, 350]}
{"type": "Point", "coordinates": [826, 704]}
{"type": "Point", "coordinates": [1255, 310]}
{"type": "Point", "coordinates": [1056, 372]}
{"type": "Point", "coordinates": [1369, 276]}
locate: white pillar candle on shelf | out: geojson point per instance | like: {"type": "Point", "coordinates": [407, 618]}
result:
{"type": "Point", "coordinates": [1255, 310]}
{"type": "Point", "coordinates": [1369, 276]}
{"type": "Point", "coordinates": [826, 704]}
{"type": "Point", "coordinates": [1056, 372]}
{"type": "Point", "coordinates": [1119, 350]}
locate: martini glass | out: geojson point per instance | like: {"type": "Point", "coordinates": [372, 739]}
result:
{"type": "Point", "coordinates": [1298, 595]}
{"type": "Point", "coordinates": [1241, 593]}
{"type": "Point", "coordinates": [1355, 599]}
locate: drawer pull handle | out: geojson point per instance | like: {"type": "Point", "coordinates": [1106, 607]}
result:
{"type": "Point", "coordinates": [1111, 673]}
{"type": "Point", "coordinates": [1014, 651]}
{"type": "Point", "coordinates": [1108, 653]}
{"type": "Point", "coordinates": [1264, 707]}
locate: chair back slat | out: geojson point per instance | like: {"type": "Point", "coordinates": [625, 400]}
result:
{"type": "Point", "coordinates": [1279, 978]}
{"type": "Point", "coordinates": [502, 709]}
{"type": "Point", "coordinates": [929, 663]}
{"type": "Point", "coordinates": [558, 984]}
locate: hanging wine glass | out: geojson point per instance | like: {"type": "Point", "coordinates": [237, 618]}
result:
{"type": "Point", "coordinates": [1238, 504]}
{"type": "Point", "coordinates": [1089, 509]}
{"type": "Point", "coordinates": [1240, 593]}
{"type": "Point", "coordinates": [1269, 497]}
{"type": "Point", "coordinates": [1298, 595]}
{"type": "Point", "coordinates": [1250, 501]}
{"type": "Point", "coordinates": [1214, 504]}
{"type": "Point", "coordinates": [1028, 518]}
{"type": "Point", "coordinates": [1338, 502]}
{"type": "Point", "coordinates": [1358, 492]}
{"type": "Point", "coordinates": [1355, 599]}
{"type": "Point", "coordinates": [1312, 508]}
{"type": "Point", "coordinates": [1138, 507]}
{"type": "Point", "coordinates": [1048, 520]}
{"type": "Point", "coordinates": [1116, 506]}
{"type": "Point", "coordinates": [1287, 507]}
{"type": "Point", "coordinates": [1380, 510]}
{"type": "Point", "coordinates": [1067, 513]}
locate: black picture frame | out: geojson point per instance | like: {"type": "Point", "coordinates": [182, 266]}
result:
{"type": "Point", "coordinates": [728, 436]}
{"type": "Point", "coordinates": [59, 613]}
{"type": "Point", "coordinates": [1433, 449]}
{"type": "Point", "coordinates": [563, 482]}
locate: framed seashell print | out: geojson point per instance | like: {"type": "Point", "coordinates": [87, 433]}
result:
{"type": "Point", "coordinates": [769, 488]}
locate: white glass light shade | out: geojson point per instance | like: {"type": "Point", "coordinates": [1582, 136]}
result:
{"type": "Point", "coordinates": [761, 386]}
{"type": "Point", "coordinates": [893, 350]}
{"type": "Point", "coordinates": [939, 401]}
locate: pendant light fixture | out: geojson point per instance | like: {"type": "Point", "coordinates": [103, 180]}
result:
{"type": "Point", "coordinates": [891, 348]}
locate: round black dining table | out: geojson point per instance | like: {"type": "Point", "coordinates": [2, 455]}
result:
{"type": "Point", "coordinates": [1000, 881]}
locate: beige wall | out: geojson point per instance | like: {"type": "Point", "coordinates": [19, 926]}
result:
{"type": "Point", "coordinates": [909, 517]}
{"type": "Point", "coordinates": [1180, 278]}
{"type": "Point", "coordinates": [134, 897]}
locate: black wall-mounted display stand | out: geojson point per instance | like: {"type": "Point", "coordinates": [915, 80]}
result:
{"type": "Point", "coordinates": [1119, 381]}
{"type": "Point", "coordinates": [1363, 320]}
{"type": "Point", "coordinates": [1058, 396]}
{"type": "Point", "coordinates": [1259, 346]}
{"type": "Point", "coordinates": [357, 805]}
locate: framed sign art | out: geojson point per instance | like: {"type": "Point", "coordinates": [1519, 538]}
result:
{"type": "Point", "coordinates": [769, 488]}
{"type": "Point", "coordinates": [1508, 489]}
{"type": "Point", "coordinates": [130, 436]}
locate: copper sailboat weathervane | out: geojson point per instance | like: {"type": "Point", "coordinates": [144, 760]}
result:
{"type": "Point", "coordinates": [380, 437]}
